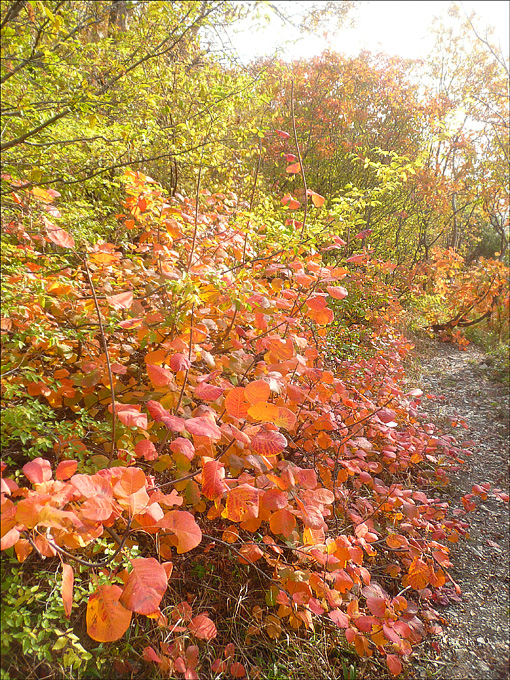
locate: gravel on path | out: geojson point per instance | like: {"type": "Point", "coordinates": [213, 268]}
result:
{"type": "Point", "coordinates": [461, 399]}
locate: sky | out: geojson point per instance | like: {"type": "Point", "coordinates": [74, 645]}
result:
{"type": "Point", "coordinates": [395, 27]}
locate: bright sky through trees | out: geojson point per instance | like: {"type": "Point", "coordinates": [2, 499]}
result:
{"type": "Point", "coordinates": [399, 28]}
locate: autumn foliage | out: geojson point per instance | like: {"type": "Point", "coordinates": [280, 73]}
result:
{"type": "Point", "coordinates": [224, 423]}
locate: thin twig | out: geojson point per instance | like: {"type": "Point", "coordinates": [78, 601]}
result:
{"type": "Point", "coordinates": [189, 359]}
{"type": "Point", "coordinates": [300, 160]}
{"type": "Point", "coordinates": [108, 366]}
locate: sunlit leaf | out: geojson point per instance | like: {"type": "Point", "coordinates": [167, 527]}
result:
{"type": "Point", "coordinates": [37, 470]}
{"type": "Point", "coordinates": [236, 403]}
{"type": "Point", "coordinates": [183, 525]}
{"type": "Point", "coordinates": [213, 473]}
{"type": "Point", "coordinates": [242, 503]}
{"type": "Point", "coordinates": [59, 237]}
{"type": "Point", "coordinates": [145, 586]}
{"type": "Point", "coordinates": [159, 376]}
{"type": "Point", "coordinates": [107, 619]}
{"type": "Point", "coordinates": [268, 443]}
{"type": "Point", "coordinates": [257, 390]}
{"type": "Point", "coordinates": [121, 300]}
{"type": "Point", "coordinates": [67, 588]}
{"type": "Point", "coordinates": [203, 427]}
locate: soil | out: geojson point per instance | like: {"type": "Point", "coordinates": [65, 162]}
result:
{"type": "Point", "coordinates": [474, 642]}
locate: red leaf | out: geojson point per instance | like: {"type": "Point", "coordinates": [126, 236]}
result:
{"type": "Point", "coordinates": [179, 362]}
{"type": "Point", "coordinates": [290, 158]}
{"type": "Point", "coordinates": [363, 234]}
{"type": "Point", "coordinates": [121, 300]}
{"type": "Point", "coordinates": [237, 670]}
{"type": "Point", "coordinates": [376, 605]}
{"type": "Point", "coordinates": [145, 586]}
{"type": "Point", "coordinates": [149, 654]}
{"type": "Point", "coordinates": [66, 469]}
{"type": "Point", "coordinates": [338, 617]}
{"type": "Point", "coordinates": [130, 323]}
{"type": "Point", "coordinates": [184, 446]}
{"type": "Point", "coordinates": [394, 664]}
{"type": "Point", "coordinates": [60, 237]}
{"type": "Point", "coordinates": [183, 525]}
{"type": "Point", "coordinates": [282, 134]}
{"type": "Point", "coordinates": [37, 471]}
{"type": "Point", "coordinates": [203, 427]}
{"type": "Point", "coordinates": [356, 258]}
{"type": "Point", "coordinates": [202, 627]}
{"type": "Point", "coordinates": [130, 415]}
{"type": "Point", "coordinates": [207, 392]}
{"type": "Point", "coordinates": [67, 588]}
{"type": "Point", "coordinates": [337, 292]}
{"type": "Point", "coordinates": [213, 473]}
{"type": "Point", "coordinates": [268, 443]}
{"type": "Point", "coordinates": [145, 449]}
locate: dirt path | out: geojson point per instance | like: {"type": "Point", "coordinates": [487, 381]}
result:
{"type": "Point", "coordinates": [475, 643]}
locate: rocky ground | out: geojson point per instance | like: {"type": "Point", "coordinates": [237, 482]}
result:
{"type": "Point", "coordinates": [474, 644]}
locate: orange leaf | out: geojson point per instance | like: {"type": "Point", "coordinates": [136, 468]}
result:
{"type": "Point", "coordinates": [41, 194]}
{"type": "Point", "coordinates": [130, 481]}
{"type": "Point", "coordinates": [107, 619]}
{"type": "Point", "coordinates": [145, 586]}
{"type": "Point", "coordinates": [293, 169]}
{"type": "Point", "coordinates": [317, 199]}
{"type": "Point", "coordinates": [282, 522]}
{"type": "Point", "coordinates": [213, 473]}
{"type": "Point", "coordinates": [97, 509]}
{"type": "Point", "coordinates": [159, 376]}
{"type": "Point", "coordinates": [250, 553]}
{"type": "Point", "coordinates": [322, 317]}
{"type": "Point", "coordinates": [418, 576]}
{"type": "Point", "coordinates": [262, 410]}
{"type": "Point", "coordinates": [242, 503]}
{"type": "Point", "coordinates": [258, 390]}
{"type": "Point", "coordinates": [291, 201]}
{"type": "Point", "coordinates": [67, 588]}
{"type": "Point", "coordinates": [236, 403]}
